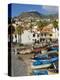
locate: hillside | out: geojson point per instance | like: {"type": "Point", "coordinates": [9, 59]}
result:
{"type": "Point", "coordinates": [34, 15]}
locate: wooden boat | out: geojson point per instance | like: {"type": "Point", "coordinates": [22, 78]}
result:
{"type": "Point", "coordinates": [53, 49]}
{"type": "Point", "coordinates": [40, 66]}
{"type": "Point", "coordinates": [43, 61]}
{"type": "Point", "coordinates": [39, 72]}
{"type": "Point", "coordinates": [39, 49]}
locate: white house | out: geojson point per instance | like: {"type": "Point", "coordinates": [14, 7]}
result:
{"type": "Point", "coordinates": [26, 37]}
{"type": "Point", "coordinates": [55, 33]}
{"type": "Point", "coordinates": [29, 37]}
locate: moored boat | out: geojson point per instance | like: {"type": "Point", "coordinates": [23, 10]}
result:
{"type": "Point", "coordinates": [39, 72]}
{"type": "Point", "coordinates": [44, 61]}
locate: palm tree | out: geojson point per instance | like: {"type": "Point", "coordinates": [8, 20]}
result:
{"type": "Point", "coordinates": [55, 25]}
{"type": "Point", "coordinates": [11, 31]}
{"type": "Point", "coordinates": [19, 31]}
{"type": "Point", "coordinates": [41, 24]}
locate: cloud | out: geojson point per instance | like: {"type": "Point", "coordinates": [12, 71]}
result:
{"type": "Point", "coordinates": [50, 9]}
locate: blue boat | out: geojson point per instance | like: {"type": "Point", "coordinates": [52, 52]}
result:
{"type": "Point", "coordinates": [42, 62]}
{"type": "Point", "coordinates": [53, 49]}
{"type": "Point", "coordinates": [45, 61]}
{"type": "Point", "coordinates": [47, 57]}
{"type": "Point", "coordinates": [40, 57]}
{"type": "Point", "coordinates": [52, 60]}
{"type": "Point", "coordinates": [39, 72]}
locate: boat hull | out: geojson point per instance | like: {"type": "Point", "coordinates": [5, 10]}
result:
{"type": "Point", "coordinates": [40, 66]}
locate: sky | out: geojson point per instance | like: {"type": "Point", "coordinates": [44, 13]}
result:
{"type": "Point", "coordinates": [17, 9]}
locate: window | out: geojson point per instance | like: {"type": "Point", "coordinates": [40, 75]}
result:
{"type": "Point", "coordinates": [45, 34]}
{"type": "Point", "coordinates": [35, 40]}
{"type": "Point", "coordinates": [50, 39]}
{"type": "Point", "coordinates": [33, 35]}
{"type": "Point", "coordinates": [43, 39]}
{"type": "Point", "coordinates": [37, 35]}
{"type": "Point", "coordinates": [41, 34]}
{"type": "Point", "coordinates": [50, 34]}
{"type": "Point", "coordinates": [15, 36]}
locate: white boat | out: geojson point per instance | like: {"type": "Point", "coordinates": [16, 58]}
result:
{"type": "Point", "coordinates": [40, 66]}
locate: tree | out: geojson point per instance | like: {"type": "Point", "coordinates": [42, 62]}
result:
{"type": "Point", "coordinates": [19, 31]}
{"type": "Point", "coordinates": [11, 31]}
{"type": "Point", "coordinates": [40, 25]}
{"type": "Point", "coordinates": [55, 24]}
{"type": "Point", "coordinates": [31, 25]}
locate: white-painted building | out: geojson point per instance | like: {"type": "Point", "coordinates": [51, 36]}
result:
{"type": "Point", "coordinates": [55, 33]}
{"type": "Point", "coordinates": [30, 37]}
{"type": "Point", "coordinates": [27, 37]}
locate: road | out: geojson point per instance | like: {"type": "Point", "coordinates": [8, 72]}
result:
{"type": "Point", "coordinates": [18, 66]}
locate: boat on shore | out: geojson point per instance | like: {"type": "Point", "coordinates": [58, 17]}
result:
{"type": "Point", "coordinates": [39, 72]}
{"type": "Point", "coordinates": [40, 66]}
{"type": "Point", "coordinates": [44, 61]}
